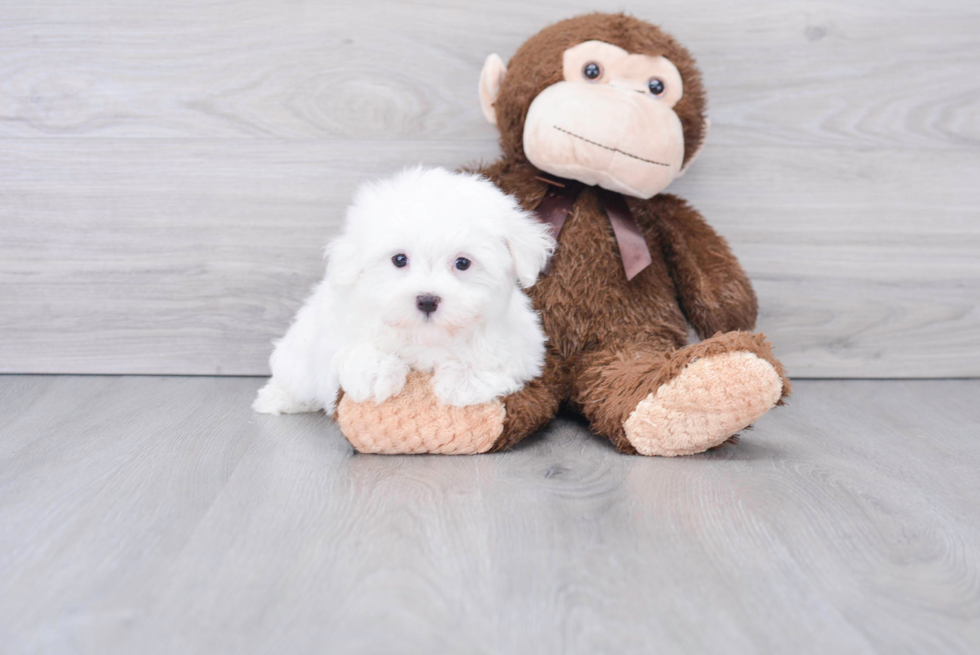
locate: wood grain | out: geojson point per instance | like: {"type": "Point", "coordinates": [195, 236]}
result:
{"type": "Point", "coordinates": [169, 171]}
{"type": "Point", "coordinates": [861, 74]}
{"type": "Point", "coordinates": [159, 515]}
{"type": "Point", "coordinates": [190, 256]}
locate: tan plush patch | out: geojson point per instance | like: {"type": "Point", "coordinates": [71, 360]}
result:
{"type": "Point", "coordinates": [712, 399]}
{"type": "Point", "coordinates": [415, 422]}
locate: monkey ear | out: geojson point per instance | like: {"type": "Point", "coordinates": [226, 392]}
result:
{"type": "Point", "coordinates": [490, 78]}
{"type": "Point", "coordinates": [697, 148]}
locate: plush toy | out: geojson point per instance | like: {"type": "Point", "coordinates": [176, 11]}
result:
{"type": "Point", "coordinates": [597, 115]}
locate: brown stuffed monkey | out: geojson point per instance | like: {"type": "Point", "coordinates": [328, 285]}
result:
{"type": "Point", "coordinates": [597, 115]}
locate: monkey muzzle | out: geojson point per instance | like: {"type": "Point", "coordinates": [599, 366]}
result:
{"type": "Point", "coordinates": [605, 135]}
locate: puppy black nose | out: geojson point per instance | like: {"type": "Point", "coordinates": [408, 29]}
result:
{"type": "Point", "coordinates": [427, 303]}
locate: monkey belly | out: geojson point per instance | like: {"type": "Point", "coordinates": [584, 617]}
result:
{"type": "Point", "coordinates": [585, 299]}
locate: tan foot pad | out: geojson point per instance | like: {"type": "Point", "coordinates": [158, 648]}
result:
{"type": "Point", "coordinates": [415, 422]}
{"type": "Point", "coordinates": [713, 398]}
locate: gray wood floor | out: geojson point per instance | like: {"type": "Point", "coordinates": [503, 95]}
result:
{"type": "Point", "coordinates": [159, 515]}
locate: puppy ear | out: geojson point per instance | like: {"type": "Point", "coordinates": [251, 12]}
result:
{"type": "Point", "coordinates": [343, 266]}
{"type": "Point", "coordinates": [530, 244]}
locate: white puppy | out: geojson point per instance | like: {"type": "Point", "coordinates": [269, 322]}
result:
{"type": "Point", "coordinates": [424, 276]}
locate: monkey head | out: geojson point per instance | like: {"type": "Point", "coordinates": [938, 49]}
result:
{"type": "Point", "coordinates": [605, 99]}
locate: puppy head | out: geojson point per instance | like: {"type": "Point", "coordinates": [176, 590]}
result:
{"type": "Point", "coordinates": [434, 252]}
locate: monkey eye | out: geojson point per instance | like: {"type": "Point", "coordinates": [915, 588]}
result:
{"type": "Point", "coordinates": [400, 260]}
{"type": "Point", "coordinates": [656, 86]}
{"type": "Point", "coordinates": [462, 263]}
{"type": "Point", "coordinates": [592, 71]}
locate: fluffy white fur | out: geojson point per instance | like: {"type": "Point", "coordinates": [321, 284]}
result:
{"type": "Point", "coordinates": [362, 330]}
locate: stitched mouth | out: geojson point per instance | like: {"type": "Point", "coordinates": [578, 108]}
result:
{"type": "Point", "coordinates": [582, 138]}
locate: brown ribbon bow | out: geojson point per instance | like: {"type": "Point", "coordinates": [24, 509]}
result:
{"type": "Point", "coordinates": [557, 205]}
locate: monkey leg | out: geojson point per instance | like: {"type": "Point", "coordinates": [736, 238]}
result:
{"type": "Point", "coordinates": [650, 399]}
{"type": "Point", "coordinates": [530, 409]}
{"type": "Point", "coordinates": [415, 421]}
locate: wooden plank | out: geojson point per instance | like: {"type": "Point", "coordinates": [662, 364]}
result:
{"type": "Point", "coordinates": [158, 515]}
{"type": "Point", "coordinates": [169, 170]}
{"type": "Point", "coordinates": [169, 257]}
{"type": "Point", "coordinates": [859, 74]}
{"type": "Point", "coordinates": [145, 256]}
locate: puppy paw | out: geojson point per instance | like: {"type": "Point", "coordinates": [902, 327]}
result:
{"type": "Point", "coordinates": [392, 373]}
{"type": "Point", "coordinates": [274, 398]}
{"type": "Point", "coordinates": [366, 373]}
{"type": "Point", "coordinates": [459, 386]}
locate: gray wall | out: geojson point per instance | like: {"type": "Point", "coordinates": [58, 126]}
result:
{"type": "Point", "coordinates": [170, 170]}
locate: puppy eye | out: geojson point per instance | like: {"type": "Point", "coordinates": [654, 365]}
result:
{"type": "Point", "coordinates": [656, 86]}
{"type": "Point", "coordinates": [399, 260]}
{"type": "Point", "coordinates": [592, 71]}
{"type": "Point", "coordinates": [463, 263]}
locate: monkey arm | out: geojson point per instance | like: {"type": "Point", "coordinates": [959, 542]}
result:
{"type": "Point", "coordinates": [714, 292]}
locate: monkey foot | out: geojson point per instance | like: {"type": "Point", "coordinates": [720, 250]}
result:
{"type": "Point", "coordinates": [709, 401]}
{"type": "Point", "coordinates": [415, 422]}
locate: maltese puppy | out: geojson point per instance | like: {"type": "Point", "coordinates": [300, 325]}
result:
{"type": "Point", "coordinates": [425, 277]}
